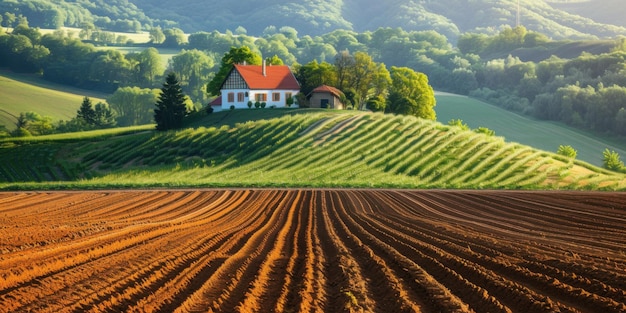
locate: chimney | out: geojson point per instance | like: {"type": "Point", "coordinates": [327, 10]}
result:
{"type": "Point", "coordinates": [264, 73]}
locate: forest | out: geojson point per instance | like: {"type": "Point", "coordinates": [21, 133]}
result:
{"type": "Point", "coordinates": [556, 18]}
{"type": "Point", "coordinates": [521, 70]}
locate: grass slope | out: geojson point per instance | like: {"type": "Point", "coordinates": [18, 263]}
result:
{"type": "Point", "coordinates": [316, 148]}
{"type": "Point", "coordinates": [539, 134]}
{"type": "Point", "coordinates": [24, 93]}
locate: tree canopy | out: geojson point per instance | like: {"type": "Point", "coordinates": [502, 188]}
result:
{"type": "Point", "coordinates": [411, 94]}
{"type": "Point", "coordinates": [234, 56]}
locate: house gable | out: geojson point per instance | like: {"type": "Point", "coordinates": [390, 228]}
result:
{"type": "Point", "coordinates": [234, 80]}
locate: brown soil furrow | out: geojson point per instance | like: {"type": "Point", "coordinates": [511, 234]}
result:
{"type": "Point", "coordinates": [384, 281]}
{"type": "Point", "coordinates": [509, 270]}
{"type": "Point", "coordinates": [441, 257]}
{"type": "Point", "coordinates": [274, 273]}
{"type": "Point", "coordinates": [346, 288]}
{"type": "Point", "coordinates": [312, 251]}
{"type": "Point", "coordinates": [294, 287]}
{"type": "Point", "coordinates": [225, 289]}
{"type": "Point", "coordinates": [311, 292]}
{"type": "Point", "coordinates": [186, 281]}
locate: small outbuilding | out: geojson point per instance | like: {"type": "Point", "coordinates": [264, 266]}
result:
{"type": "Point", "coordinates": [326, 97]}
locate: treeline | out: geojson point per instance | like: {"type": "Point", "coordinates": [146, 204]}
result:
{"type": "Point", "coordinates": [112, 15]}
{"type": "Point", "coordinates": [594, 85]}
{"type": "Point", "coordinates": [587, 92]}
{"type": "Point", "coordinates": [88, 117]}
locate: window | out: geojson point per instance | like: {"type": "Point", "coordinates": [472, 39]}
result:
{"type": "Point", "coordinates": [260, 97]}
{"type": "Point", "coordinates": [240, 97]}
{"type": "Point", "coordinates": [231, 97]}
{"type": "Point", "coordinates": [275, 96]}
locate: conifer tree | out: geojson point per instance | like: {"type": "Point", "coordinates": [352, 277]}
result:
{"type": "Point", "coordinates": [171, 107]}
{"type": "Point", "coordinates": [86, 112]}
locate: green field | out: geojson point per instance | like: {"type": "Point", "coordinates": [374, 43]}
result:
{"type": "Point", "coordinates": [24, 93]}
{"type": "Point", "coordinates": [543, 135]}
{"type": "Point", "coordinates": [293, 148]}
{"type": "Point", "coordinates": [142, 37]}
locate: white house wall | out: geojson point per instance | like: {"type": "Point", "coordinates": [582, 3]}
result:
{"type": "Point", "coordinates": [252, 96]}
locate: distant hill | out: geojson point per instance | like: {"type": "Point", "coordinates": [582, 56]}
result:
{"type": "Point", "coordinates": [293, 148]}
{"type": "Point", "coordinates": [449, 17]}
{"type": "Point", "coordinates": [601, 11]}
{"type": "Point", "coordinates": [24, 93]}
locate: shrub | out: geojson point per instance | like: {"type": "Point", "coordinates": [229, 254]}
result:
{"type": "Point", "coordinates": [232, 107]}
{"type": "Point", "coordinates": [250, 104]}
{"type": "Point", "coordinates": [485, 130]}
{"type": "Point", "coordinates": [209, 109]}
{"type": "Point", "coordinates": [257, 104]}
{"type": "Point", "coordinates": [567, 151]}
{"type": "Point", "coordinates": [458, 123]}
{"type": "Point", "coordinates": [263, 104]}
{"type": "Point", "coordinates": [612, 160]}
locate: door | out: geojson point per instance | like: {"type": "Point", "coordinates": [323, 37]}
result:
{"type": "Point", "coordinates": [324, 103]}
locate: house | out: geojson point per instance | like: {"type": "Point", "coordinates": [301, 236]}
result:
{"type": "Point", "coordinates": [272, 84]}
{"type": "Point", "coordinates": [326, 97]}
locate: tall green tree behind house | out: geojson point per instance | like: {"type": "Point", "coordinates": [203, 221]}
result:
{"type": "Point", "coordinates": [171, 108]}
{"type": "Point", "coordinates": [234, 56]}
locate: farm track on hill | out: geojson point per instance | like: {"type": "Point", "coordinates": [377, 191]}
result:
{"type": "Point", "coordinates": [312, 250]}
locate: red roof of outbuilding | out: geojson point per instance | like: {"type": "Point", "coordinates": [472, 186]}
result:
{"type": "Point", "coordinates": [277, 77]}
{"type": "Point", "coordinates": [217, 101]}
{"type": "Point", "coordinates": [328, 89]}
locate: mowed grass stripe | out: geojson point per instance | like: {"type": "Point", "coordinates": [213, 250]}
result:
{"type": "Point", "coordinates": [308, 149]}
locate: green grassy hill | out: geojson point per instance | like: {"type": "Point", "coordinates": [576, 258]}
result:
{"type": "Point", "coordinates": [316, 148]}
{"type": "Point", "coordinates": [544, 135]}
{"type": "Point", "coordinates": [24, 93]}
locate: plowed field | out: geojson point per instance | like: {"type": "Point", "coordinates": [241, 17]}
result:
{"type": "Point", "coordinates": [312, 251]}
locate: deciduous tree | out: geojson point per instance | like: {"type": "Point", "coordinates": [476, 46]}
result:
{"type": "Point", "coordinates": [411, 94]}
{"type": "Point", "coordinates": [156, 35]}
{"type": "Point", "coordinates": [133, 105]}
{"type": "Point", "coordinates": [234, 56]}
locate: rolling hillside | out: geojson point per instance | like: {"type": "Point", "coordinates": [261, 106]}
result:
{"type": "Point", "coordinates": [448, 17]}
{"type": "Point", "coordinates": [544, 135]}
{"type": "Point", "coordinates": [23, 93]}
{"type": "Point", "coordinates": [297, 148]}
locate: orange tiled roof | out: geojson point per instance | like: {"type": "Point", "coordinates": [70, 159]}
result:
{"type": "Point", "coordinates": [329, 89]}
{"type": "Point", "coordinates": [277, 77]}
